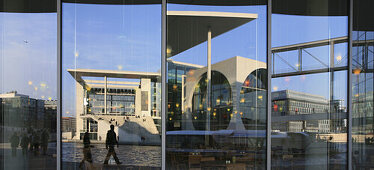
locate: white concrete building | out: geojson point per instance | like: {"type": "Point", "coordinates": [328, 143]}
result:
{"type": "Point", "coordinates": [125, 104]}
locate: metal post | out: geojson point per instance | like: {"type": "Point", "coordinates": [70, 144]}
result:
{"type": "Point", "coordinates": [349, 85]}
{"type": "Point", "coordinates": [163, 84]}
{"type": "Point", "coordinates": [59, 84]}
{"type": "Point", "coordinates": [268, 98]}
{"type": "Point", "coordinates": [105, 92]}
{"type": "Point", "coordinates": [300, 59]}
{"type": "Point", "coordinates": [331, 68]}
{"type": "Point", "coordinates": [332, 65]}
{"type": "Point", "coordinates": [209, 84]}
{"type": "Point", "coordinates": [273, 65]}
{"type": "Point", "coordinates": [87, 124]}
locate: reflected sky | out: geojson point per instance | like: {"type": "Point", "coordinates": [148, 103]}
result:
{"type": "Point", "coordinates": [28, 48]}
{"type": "Point", "coordinates": [119, 37]}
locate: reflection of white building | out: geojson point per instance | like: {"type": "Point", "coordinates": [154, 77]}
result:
{"type": "Point", "coordinates": [294, 111]}
{"type": "Point", "coordinates": [362, 113]}
{"type": "Point", "coordinates": [230, 83]}
{"type": "Point", "coordinates": [130, 101]}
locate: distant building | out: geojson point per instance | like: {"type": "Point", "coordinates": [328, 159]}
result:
{"type": "Point", "coordinates": [68, 127]}
{"type": "Point", "coordinates": [20, 112]}
{"type": "Point", "coordinates": [68, 124]}
{"type": "Point", "coordinates": [363, 113]}
{"type": "Point", "coordinates": [50, 115]}
{"type": "Point", "coordinates": [294, 111]}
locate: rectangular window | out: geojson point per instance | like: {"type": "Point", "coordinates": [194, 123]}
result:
{"type": "Point", "coordinates": [362, 82]}
{"type": "Point", "coordinates": [309, 54]}
{"type": "Point", "coordinates": [216, 112]}
{"type": "Point", "coordinates": [111, 56]}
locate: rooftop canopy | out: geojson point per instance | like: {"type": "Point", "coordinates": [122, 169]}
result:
{"type": "Point", "coordinates": [79, 73]}
{"type": "Point", "coordinates": [187, 29]}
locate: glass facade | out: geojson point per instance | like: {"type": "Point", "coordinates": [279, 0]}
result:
{"type": "Point", "coordinates": [175, 84]}
{"type": "Point", "coordinates": [28, 87]}
{"type": "Point", "coordinates": [362, 87]}
{"type": "Point", "coordinates": [216, 119]}
{"type": "Point", "coordinates": [309, 90]}
{"type": "Point", "coordinates": [110, 80]}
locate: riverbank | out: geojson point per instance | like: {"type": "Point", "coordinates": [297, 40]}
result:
{"type": "Point", "coordinates": [75, 165]}
{"type": "Point", "coordinates": [103, 142]}
{"type": "Point", "coordinates": [129, 155]}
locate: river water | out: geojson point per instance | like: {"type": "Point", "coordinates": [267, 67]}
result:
{"type": "Point", "coordinates": [149, 156]}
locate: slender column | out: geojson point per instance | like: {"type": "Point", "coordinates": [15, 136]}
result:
{"type": "Point", "coordinates": [349, 86]}
{"type": "Point", "coordinates": [268, 98]}
{"type": "Point", "coordinates": [87, 125]}
{"type": "Point", "coordinates": [105, 91]}
{"type": "Point", "coordinates": [209, 84]}
{"type": "Point", "coordinates": [332, 112]}
{"type": "Point", "coordinates": [59, 85]}
{"type": "Point", "coordinates": [163, 84]}
{"type": "Point", "coordinates": [332, 65]}
{"type": "Point", "coordinates": [300, 62]}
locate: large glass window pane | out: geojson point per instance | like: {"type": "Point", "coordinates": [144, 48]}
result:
{"type": "Point", "coordinates": [28, 88]}
{"type": "Point", "coordinates": [216, 85]}
{"type": "Point", "coordinates": [309, 85]}
{"type": "Point", "coordinates": [362, 85]}
{"type": "Point", "coordinates": [111, 78]}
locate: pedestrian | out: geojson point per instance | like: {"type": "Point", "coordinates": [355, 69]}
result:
{"type": "Point", "coordinates": [87, 156]}
{"type": "Point", "coordinates": [36, 143]}
{"type": "Point", "coordinates": [25, 144]}
{"type": "Point", "coordinates": [44, 141]}
{"type": "Point", "coordinates": [111, 140]}
{"type": "Point", "coordinates": [14, 142]}
{"type": "Point", "coordinates": [31, 139]}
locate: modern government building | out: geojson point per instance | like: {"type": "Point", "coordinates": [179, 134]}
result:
{"type": "Point", "coordinates": [187, 84]}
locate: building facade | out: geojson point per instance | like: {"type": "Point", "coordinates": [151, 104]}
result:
{"type": "Point", "coordinates": [131, 106]}
{"type": "Point", "coordinates": [21, 114]}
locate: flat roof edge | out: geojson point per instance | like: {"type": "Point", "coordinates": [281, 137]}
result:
{"type": "Point", "coordinates": [212, 14]}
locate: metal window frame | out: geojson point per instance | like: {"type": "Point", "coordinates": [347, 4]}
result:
{"type": "Point", "coordinates": [163, 83]}
{"type": "Point", "coordinates": [59, 85]}
{"type": "Point", "coordinates": [349, 85]}
{"type": "Point", "coordinates": [269, 74]}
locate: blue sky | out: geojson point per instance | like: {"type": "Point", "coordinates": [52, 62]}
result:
{"type": "Point", "coordinates": [28, 48]}
{"type": "Point", "coordinates": [116, 37]}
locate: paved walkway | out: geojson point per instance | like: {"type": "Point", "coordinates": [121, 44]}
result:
{"type": "Point", "coordinates": [29, 161]}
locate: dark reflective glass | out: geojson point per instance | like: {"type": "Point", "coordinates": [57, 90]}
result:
{"type": "Point", "coordinates": [362, 86]}
{"type": "Point", "coordinates": [221, 95]}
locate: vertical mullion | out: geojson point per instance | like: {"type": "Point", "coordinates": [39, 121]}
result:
{"type": "Point", "coordinates": [59, 83]}
{"type": "Point", "coordinates": [349, 85]}
{"type": "Point", "coordinates": [269, 66]}
{"type": "Point", "coordinates": [163, 84]}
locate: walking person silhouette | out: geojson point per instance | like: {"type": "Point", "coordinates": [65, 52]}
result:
{"type": "Point", "coordinates": [14, 142]}
{"type": "Point", "coordinates": [25, 144]}
{"type": "Point", "coordinates": [87, 156]}
{"type": "Point", "coordinates": [44, 141]}
{"type": "Point", "coordinates": [111, 140]}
